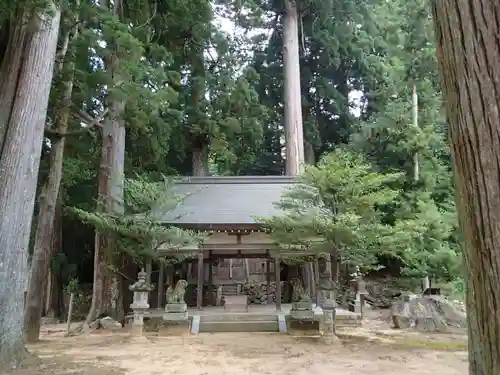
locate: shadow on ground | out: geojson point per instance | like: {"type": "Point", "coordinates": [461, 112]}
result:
{"type": "Point", "coordinates": [62, 365]}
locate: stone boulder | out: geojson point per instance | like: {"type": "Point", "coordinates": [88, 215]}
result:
{"type": "Point", "coordinates": [427, 314]}
{"type": "Point", "coordinates": [110, 324]}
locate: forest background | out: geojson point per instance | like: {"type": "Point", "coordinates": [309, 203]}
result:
{"type": "Point", "coordinates": [144, 89]}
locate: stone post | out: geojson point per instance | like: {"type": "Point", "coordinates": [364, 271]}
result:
{"type": "Point", "coordinates": [358, 305]}
{"type": "Point", "coordinates": [140, 305]}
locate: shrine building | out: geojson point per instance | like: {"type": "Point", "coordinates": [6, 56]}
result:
{"type": "Point", "coordinates": [236, 250]}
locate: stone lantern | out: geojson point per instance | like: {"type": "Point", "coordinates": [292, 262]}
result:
{"type": "Point", "coordinates": [327, 289]}
{"type": "Point", "coordinates": [140, 305]}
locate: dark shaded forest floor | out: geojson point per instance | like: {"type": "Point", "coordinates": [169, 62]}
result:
{"type": "Point", "coordinates": [374, 349]}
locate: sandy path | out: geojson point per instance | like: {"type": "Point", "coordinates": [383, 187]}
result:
{"type": "Point", "coordinates": [247, 354]}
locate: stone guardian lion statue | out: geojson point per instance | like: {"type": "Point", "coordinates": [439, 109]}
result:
{"type": "Point", "coordinates": [176, 294]}
{"type": "Point", "coordinates": [299, 293]}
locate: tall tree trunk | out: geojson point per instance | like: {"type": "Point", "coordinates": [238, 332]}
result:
{"type": "Point", "coordinates": [48, 203]}
{"type": "Point", "coordinates": [309, 153]}
{"type": "Point", "coordinates": [294, 133]}
{"type": "Point", "coordinates": [54, 307]}
{"type": "Point", "coordinates": [100, 245]}
{"type": "Point", "coordinates": [199, 140]}
{"type": "Point", "coordinates": [468, 52]}
{"type": "Point", "coordinates": [107, 296]}
{"type": "Point", "coordinates": [114, 130]}
{"type": "Point", "coordinates": [10, 70]}
{"type": "Point", "coordinates": [200, 160]}
{"type": "Point", "coordinates": [19, 162]}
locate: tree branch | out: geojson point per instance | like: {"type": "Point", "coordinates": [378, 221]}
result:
{"type": "Point", "coordinates": [87, 119]}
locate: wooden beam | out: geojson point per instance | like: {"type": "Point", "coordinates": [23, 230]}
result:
{"type": "Point", "coordinates": [235, 255]}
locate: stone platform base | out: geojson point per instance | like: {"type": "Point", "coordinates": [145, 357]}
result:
{"type": "Point", "coordinates": [302, 314]}
{"type": "Point", "coordinates": [306, 327]}
{"type": "Point", "coordinates": [175, 317]}
{"type": "Point", "coordinates": [175, 312]}
{"type": "Point", "coordinates": [170, 328]}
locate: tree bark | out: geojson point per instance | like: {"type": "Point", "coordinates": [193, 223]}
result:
{"type": "Point", "coordinates": [200, 160]}
{"type": "Point", "coordinates": [48, 203]}
{"type": "Point", "coordinates": [107, 293]}
{"type": "Point", "coordinates": [100, 244]}
{"type": "Point", "coordinates": [309, 153]}
{"type": "Point", "coordinates": [114, 130]}
{"type": "Point", "coordinates": [468, 52]}
{"type": "Point", "coordinates": [10, 70]}
{"type": "Point", "coordinates": [200, 139]}
{"type": "Point", "coordinates": [294, 133]}
{"type": "Point", "coordinates": [54, 307]}
{"type": "Point", "coordinates": [19, 162]}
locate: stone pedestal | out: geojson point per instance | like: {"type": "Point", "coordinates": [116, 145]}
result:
{"type": "Point", "coordinates": [175, 312]}
{"type": "Point", "coordinates": [302, 310]}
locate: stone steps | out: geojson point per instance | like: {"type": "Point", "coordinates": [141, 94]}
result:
{"type": "Point", "coordinates": [239, 322]}
{"type": "Point", "coordinates": [229, 290]}
{"type": "Point", "coordinates": [239, 326]}
{"type": "Point", "coordinates": [238, 317]}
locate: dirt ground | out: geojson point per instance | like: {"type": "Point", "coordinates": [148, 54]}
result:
{"type": "Point", "coordinates": [374, 349]}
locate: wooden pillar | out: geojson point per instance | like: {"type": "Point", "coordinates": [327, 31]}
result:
{"type": "Point", "coordinates": [268, 281]}
{"type": "Point", "coordinates": [161, 283]}
{"type": "Point", "coordinates": [328, 264]}
{"type": "Point", "coordinates": [210, 280]}
{"type": "Point", "coordinates": [199, 289]}
{"type": "Point", "coordinates": [169, 274]}
{"type": "Point", "coordinates": [149, 269]}
{"type": "Point", "coordinates": [316, 280]}
{"type": "Point", "coordinates": [312, 280]}
{"type": "Point", "coordinates": [277, 270]}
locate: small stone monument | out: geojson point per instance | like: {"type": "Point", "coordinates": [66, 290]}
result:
{"type": "Point", "coordinates": [176, 308]}
{"type": "Point", "coordinates": [140, 305]}
{"type": "Point", "coordinates": [358, 304]}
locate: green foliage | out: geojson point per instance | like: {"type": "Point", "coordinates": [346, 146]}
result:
{"type": "Point", "coordinates": [138, 229]}
{"type": "Point", "coordinates": [73, 286]}
{"type": "Point", "coordinates": [186, 84]}
{"type": "Point", "coordinates": [337, 207]}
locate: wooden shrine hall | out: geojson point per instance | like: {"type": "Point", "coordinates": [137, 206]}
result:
{"type": "Point", "coordinates": [226, 209]}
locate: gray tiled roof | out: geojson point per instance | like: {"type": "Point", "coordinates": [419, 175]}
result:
{"type": "Point", "coordinates": [227, 200]}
